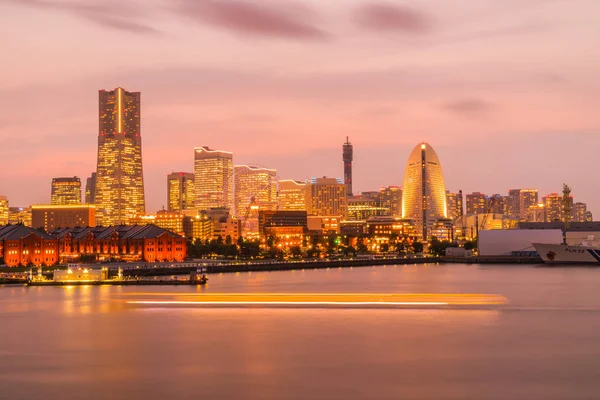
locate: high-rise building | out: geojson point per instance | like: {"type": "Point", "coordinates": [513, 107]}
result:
{"type": "Point", "coordinates": [326, 197]}
{"type": "Point", "coordinates": [90, 189]}
{"type": "Point", "coordinates": [476, 203]}
{"type": "Point", "coordinates": [390, 198]}
{"type": "Point", "coordinates": [3, 210]}
{"type": "Point", "coordinates": [424, 193]}
{"type": "Point", "coordinates": [213, 178]}
{"type": "Point", "coordinates": [180, 191]}
{"type": "Point", "coordinates": [527, 198]}
{"type": "Point", "coordinates": [512, 203]}
{"type": "Point", "coordinates": [553, 205]}
{"type": "Point", "coordinates": [495, 204]}
{"type": "Point", "coordinates": [579, 212]}
{"type": "Point", "coordinates": [119, 176]}
{"type": "Point", "coordinates": [588, 216]}
{"type": "Point", "coordinates": [66, 191]}
{"type": "Point", "coordinates": [255, 190]}
{"type": "Point", "coordinates": [454, 203]}
{"type": "Point", "coordinates": [347, 156]}
{"type": "Point", "coordinates": [292, 195]}
{"type": "Point", "coordinates": [53, 216]}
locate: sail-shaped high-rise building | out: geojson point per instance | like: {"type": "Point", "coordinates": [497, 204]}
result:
{"type": "Point", "coordinates": [119, 178]}
{"type": "Point", "coordinates": [424, 194]}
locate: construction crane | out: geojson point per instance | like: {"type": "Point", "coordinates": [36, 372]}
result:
{"type": "Point", "coordinates": [566, 206]}
{"type": "Point", "coordinates": [490, 204]}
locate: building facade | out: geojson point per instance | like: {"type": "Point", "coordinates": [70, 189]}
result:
{"type": "Point", "coordinates": [22, 246]}
{"type": "Point", "coordinates": [50, 217]}
{"type": "Point", "coordinates": [66, 191]}
{"type": "Point", "coordinates": [553, 206]}
{"type": "Point", "coordinates": [454, 203]}
{"type": "Point", "coordinates": [3, 210]}
{"type": "Point", "coordinates": [119, 175]}
{"type": "Point", "coordinates": [476, 203]}
{"type": "Point", "coordinates": [291, 195]}
{"type": "Point", "coordinates": [348, 157]}
{"type": "Point", "coordinates": [424, 193]}
{"type": "Point", "coordinates": [19, 215]}
{"type": "Point", "coordinates": [180, 191]}
{"type": "Point", "coordinates": [579, 212]}
{"type": "Point", "coordinates": [90, 189]}
{"type": "Point", "coordinates": [213, 178]}
{"type": "Point", "coordinates": [326, 197]}
{"type": "Point", "coordinates": [147, 243]}
{"type": "Point", "coordinates": [390, 198]}
{"type": "Point", "coordinates": [255, 189]}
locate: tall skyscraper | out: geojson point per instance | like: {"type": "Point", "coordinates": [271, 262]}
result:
{"type": "Point", "coordinates": [255, 190]}
{"type": "Point", "coordinates": [119, 175]}
{"type": "Point", "coordinates": [180, 191]}
{"type": "Point", "coordinates": [326, 197]}
{"type": "Point", "coordinates": [512, 203]}
{"type": "Point", "coordinates": [454, 203]}
{"type": "Point", "coordinates": [347, 156]}
{"type": "Point", "coordinates": [292, 195]}
{"type": "Point", "coordinates": [527, 198]}
{"type": "Point", "coordinates": [90, 189]}
{"type": "Point", "coordinates": [476, 203]}
{"type": "Point", "coordinates": [424, 193]}
{"type": "Point", "coordinates": [3, 210]}
{"type": "Point", "coordinates": [213, 178]}
{"type": "Point", "coordinates": [66, 191]}
{"type": "Point", "coordinates": [553, 205]}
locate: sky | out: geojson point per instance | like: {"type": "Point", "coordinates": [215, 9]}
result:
{"type": "Point", "coordinates": [506, 91]}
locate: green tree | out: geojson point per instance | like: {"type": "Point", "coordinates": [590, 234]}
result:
{"type": "Point", "coordinates": [228, 240]}
{"type": "Point", "coordinates": [417, 247]}
{"type": "Point", "coordinates": [295, 251]}
{"type": "Point", "coordinates": [470, 245]}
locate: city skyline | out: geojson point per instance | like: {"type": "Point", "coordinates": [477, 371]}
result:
{"type": "Point", "coordinates": [496, 108]}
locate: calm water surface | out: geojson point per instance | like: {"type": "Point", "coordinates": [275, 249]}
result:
{"type": "Point", "coordinates": [87, 343]}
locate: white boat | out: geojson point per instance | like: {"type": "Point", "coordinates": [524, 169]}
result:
{"type": "Point", "coordinates": [586, 253]}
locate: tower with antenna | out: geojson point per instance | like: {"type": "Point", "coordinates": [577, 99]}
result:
{"type": "Point", "coordinates": [347, 156]}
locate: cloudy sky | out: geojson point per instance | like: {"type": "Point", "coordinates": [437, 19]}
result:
{"type": "Point", "coordinates": [506, 91]}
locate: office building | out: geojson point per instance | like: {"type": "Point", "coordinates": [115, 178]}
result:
{"type": "Point", "coordinates": [119, 177]}
{"type": "Point", "coordinates": [553, 205]}
{"type": "Point", "coordinates": [66, 191]}
{"type": "Point", "coordinates": [213, 178]}
{"type": "Point", "coordinates": [347, 157]}
{"type": "Point", "coordinates": [326, 197]}
{"type": "Point", "coordinates": [424, 192]}
{"type": "Point", "coordinates": [362, 207]}
{"type": "Point", "coordinates": [51, 216]}
{"type": "Point", "coordinates": [291, 195]}
{"type": "Point", "coordinates": [454, 203]}
{"type": "Point", "coordinates": [527, 198]}
{"type": "Point", "coordinates": [579, 212]}
{"type": "Point", "coordinates": [180, 191]}
{"type": "Point", "coordinates": [90, 189]}
{"type": "Point", "coordinates": [3, 210]}
{"type": "Point", "coordinates": [476, 203]}
{"type": "Point", "coordinates": [255, 189]}
{"type": "Point", "coordinates": [390, 198]}
{"type": "Point", "coordinates": [19, 215]}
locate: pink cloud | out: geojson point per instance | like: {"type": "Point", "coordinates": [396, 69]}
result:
{"type": "Point", "coordinates": [254, 19]}
{"type": "Point", "coordinates": [386, 17]}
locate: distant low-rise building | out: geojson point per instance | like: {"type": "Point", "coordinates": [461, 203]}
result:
{"type": "Point", "coordinates": [50, 217]}
{"type": "Point", "coordinates": [148, 243]}
{"type": "Point", "coordinates": [23, 246]}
